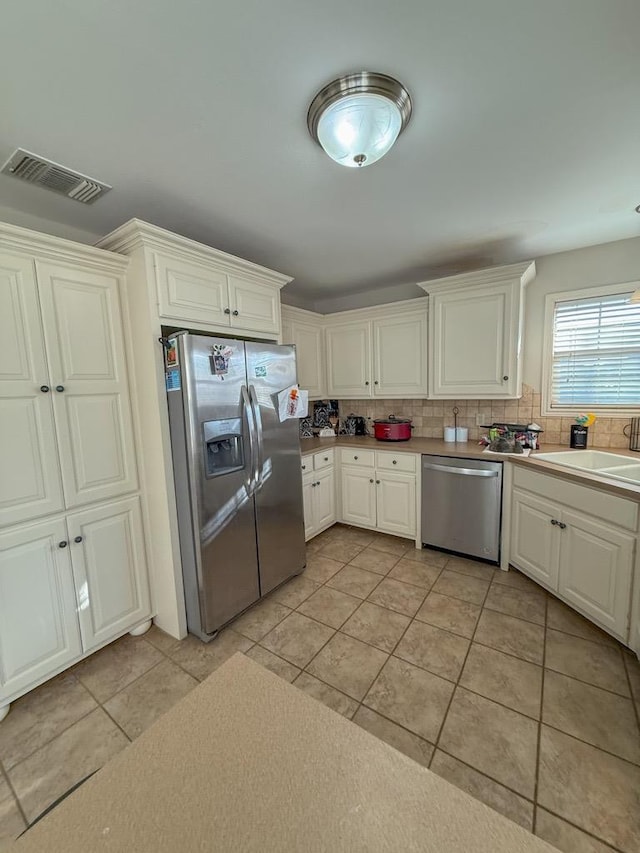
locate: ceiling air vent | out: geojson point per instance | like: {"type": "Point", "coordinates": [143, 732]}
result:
{"type": "Point", "coordinates": [52, 176]}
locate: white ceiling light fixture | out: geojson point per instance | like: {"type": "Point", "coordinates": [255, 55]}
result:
{"type": "Point", "coordinates": [357, 118]}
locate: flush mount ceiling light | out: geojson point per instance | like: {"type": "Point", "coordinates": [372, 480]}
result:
{"type": "Point", "coordinates": [357, 118]}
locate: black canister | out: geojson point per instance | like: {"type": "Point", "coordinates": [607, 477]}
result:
{"type": "Point", "coordinates": [579, 436]}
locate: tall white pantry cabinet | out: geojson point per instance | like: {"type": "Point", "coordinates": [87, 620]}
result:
{"type": "Point", "coordinates": [73, 572]}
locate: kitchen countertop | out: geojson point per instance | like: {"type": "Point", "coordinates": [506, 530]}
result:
{"type": "Point", "coordinates": [472, 450]}
{"type": "Point", "coordinates": [247, 762]}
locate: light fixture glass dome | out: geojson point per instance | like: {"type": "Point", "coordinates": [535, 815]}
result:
{"type": "Point", "coordinates": [357, 118]}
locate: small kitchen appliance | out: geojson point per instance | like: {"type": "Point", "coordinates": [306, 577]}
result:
{"type": "Point", "coordinates": [579, 435]}
{"type": "Point", "coordinates": [392, 429]}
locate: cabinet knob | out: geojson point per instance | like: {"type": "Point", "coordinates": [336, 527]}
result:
{"type": "Point", "coordinates": [78, 539]}
{"type": "Point", "coordinates": [45, 389]}
{"type": "Point", "coordinates": [553, 521]}
{"type": "Point", "coordinates": [371, 481]}
{"type": "Point", "coordinates": [376, 382]}
{"type": "Point", "coordinates": [367, 382]}
{"type": "Point", "coordinates": [227, 310]}
{"type": "Point", "coordinates": [326, 458]}
{"type": "Point", "coordinates": [318, 483]}
{"type": "Point", "coordinates": [377, 482]}
{"type": "Point", "coordinates": [304, 467]}
{"type": "Point", "coordinates": [561, 525]}
{"type": "Point", "coordinates": [355, 457]}
{"type": "Point", "coordinates": [60, 388]}
{"type": "Point", "coordinates": [235, 313]}
{"type": "Point", "coordinates": [62, 544]}
{"type": "Point", "coordinates": [505, 378]}
{"type": "Point", "coordinates": [394, 462]}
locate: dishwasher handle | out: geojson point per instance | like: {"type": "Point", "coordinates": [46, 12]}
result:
{"type": "Point", "coordinates": [468, 472]}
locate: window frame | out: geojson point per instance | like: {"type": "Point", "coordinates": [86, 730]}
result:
{"type": "Point", "coordinates": [550, 302]}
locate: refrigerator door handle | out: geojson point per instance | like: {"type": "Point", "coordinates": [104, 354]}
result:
{"type": "Point", "coordinates": [260, 443]}
{"type": "Point", "coordinates": [247, 408]}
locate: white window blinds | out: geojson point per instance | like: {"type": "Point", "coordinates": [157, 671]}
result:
{"type": "Point", "coordinates": [596, 352]}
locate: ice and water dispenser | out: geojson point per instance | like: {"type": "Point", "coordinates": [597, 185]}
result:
{"type": "Point", "coordinates": [223, 447]}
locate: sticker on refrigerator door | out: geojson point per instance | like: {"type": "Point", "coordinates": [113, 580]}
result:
{"type": "Point", "coordinates": [261, 371]}
{"type": "Point", "coordinates": [173, 379]}
{"type": "Point", "coordinates": [219, 359]}
{"type": "Point", "coordinates": [171, 359]}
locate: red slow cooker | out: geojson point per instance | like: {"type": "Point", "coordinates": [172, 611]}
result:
{"type": "Point", "coordinates": [392, 429]}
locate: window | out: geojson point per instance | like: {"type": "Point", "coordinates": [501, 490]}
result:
{"type": "Point", "coordinates": [593, 351]}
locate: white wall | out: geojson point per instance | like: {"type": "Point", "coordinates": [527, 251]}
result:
{"type": "Point", "coordinates": [47, 226]}
{"type": "Point", "coordinates": [607, 263]}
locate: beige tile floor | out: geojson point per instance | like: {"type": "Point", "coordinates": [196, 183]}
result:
{"type": "Point", "coordinates": [472, 672]}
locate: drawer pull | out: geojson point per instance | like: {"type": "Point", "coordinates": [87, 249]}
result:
{"type": "Point", "coordinates": [395, 462]}
{"type": "Point", "coordinates": [326, 458]}
{"type": "Point", "coordinates": [304, 467]}
{"type": "Point", "coordinates": [355, 457]}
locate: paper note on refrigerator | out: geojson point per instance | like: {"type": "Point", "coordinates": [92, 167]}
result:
{"type": "Point", "coordinates": [292, 403]}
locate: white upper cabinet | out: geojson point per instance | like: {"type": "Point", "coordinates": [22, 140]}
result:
{"type": "Point", "coordinates": [30, 484]}
{"type": "Point", "coordinates": [191, 291]}
{"type": "Point", "coordinates": [349, 360]}
{"type": "Point", "coordinates": [378, 352]}
{"type": "Point", "coordinates": [400, 356]}
{"type": "Point", "coordinates": [475, 333]}
{"type": "Point", "coordinates": [85, 347]}
{"type": "Point", "coordinates": [254, 305]}
{"type": "Point", "coordinates": [306, 333]}
{"type": "Point", "coordinates": [196, 285]}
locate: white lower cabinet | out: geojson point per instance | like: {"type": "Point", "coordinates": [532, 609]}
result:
{"type": "Point", "coordinates": [535, 545]}
{"type": "Point", "coordinates": [67, 586]}
{"type": "Point", "coordinates": [596, 569]}
{"type": "Point", "coordinates": [39, 631]}
{"type": "Point", "coordinates": [109, 569]}
{"type": "Point", "coordinates": [585, 560]}
{"type": "Point", "coordinates": [379, 491]}
{"type": "Point", "coordinates": [359, 496]}
{"type": "Point", "coordinates": [319, 492]}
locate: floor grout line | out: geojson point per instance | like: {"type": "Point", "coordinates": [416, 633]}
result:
{"type": "Point", "coordinates": [5, 774]}
{"type": "Point", "coordinates": [539, 733]}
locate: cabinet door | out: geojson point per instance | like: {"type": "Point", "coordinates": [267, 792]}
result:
{"type": "Point", "coordinates": [358, 497]}
{"type": "Point", "coordinates": [400, 356]}
{"type": "Point", "coordinates": [474, 342]}
{"type": "Point", "coordinates": [309, 343]}
{"type": "Point", "coordinates": [30, 484]}
{"type": "Point", "coordinates": [396, 503]}
{"type": "Point", "coordinates": [85, 346]}
{"type": "Point", "coordinates": [535, 541]}
{"type": "Point", "coordinates": [596, 568]}
{"type": "Point", "coordinates": [308, 489]}
{"type": "Point", "coordinates": [257, 305]}
{"type": "Point", "coordinates": [39, 631]}
{"type": "Point", "coordinates": [349, 361]}
{"type": "Point", "coordinates": [325, 498]}
{"type": "Point", "coordinates": [110, 570]}
{"type": "Point", "coordinates": [190, 291]}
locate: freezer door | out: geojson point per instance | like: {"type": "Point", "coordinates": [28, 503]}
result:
{"type": "Point", "coordinates": [278, 496]}
{"type": "Point", "coordinates": [221, 452]}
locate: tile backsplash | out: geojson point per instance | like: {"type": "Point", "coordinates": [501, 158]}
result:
{"type": "Point", "coordinates": [431, 416]}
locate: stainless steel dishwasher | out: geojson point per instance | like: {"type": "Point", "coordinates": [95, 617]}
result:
{"type": "Point", "coordinates": [461, 505]}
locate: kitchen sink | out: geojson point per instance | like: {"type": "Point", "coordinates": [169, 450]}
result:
{"type": "Point", "coordinates": [596, 462]}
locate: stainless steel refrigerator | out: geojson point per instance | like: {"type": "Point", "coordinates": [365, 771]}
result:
{"type": "Point", "coordinates": [237, 473]}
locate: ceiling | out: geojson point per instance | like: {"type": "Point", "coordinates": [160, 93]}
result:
{"type": "Point", "coordinates": [524, 140]}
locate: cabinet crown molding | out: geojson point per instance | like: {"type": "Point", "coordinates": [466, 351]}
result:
{"type": "Point", "coordinates": [523, 272]}
{"type": "Point", "coordinates": [14, 238]}
{"type": "Point", "coordinates": [136, 234]}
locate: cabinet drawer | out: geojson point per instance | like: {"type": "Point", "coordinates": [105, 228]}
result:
{"type": "Point", "coordinates": [306, 464]}
{"type": "Point", "coordinates": [324, 459]}
{"type": "Point", "coordinates": [357, 456]}
{"type": "Point", "coordinates": [396, 461]}
{"type": "Point", "coordinates": [611, 508]}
